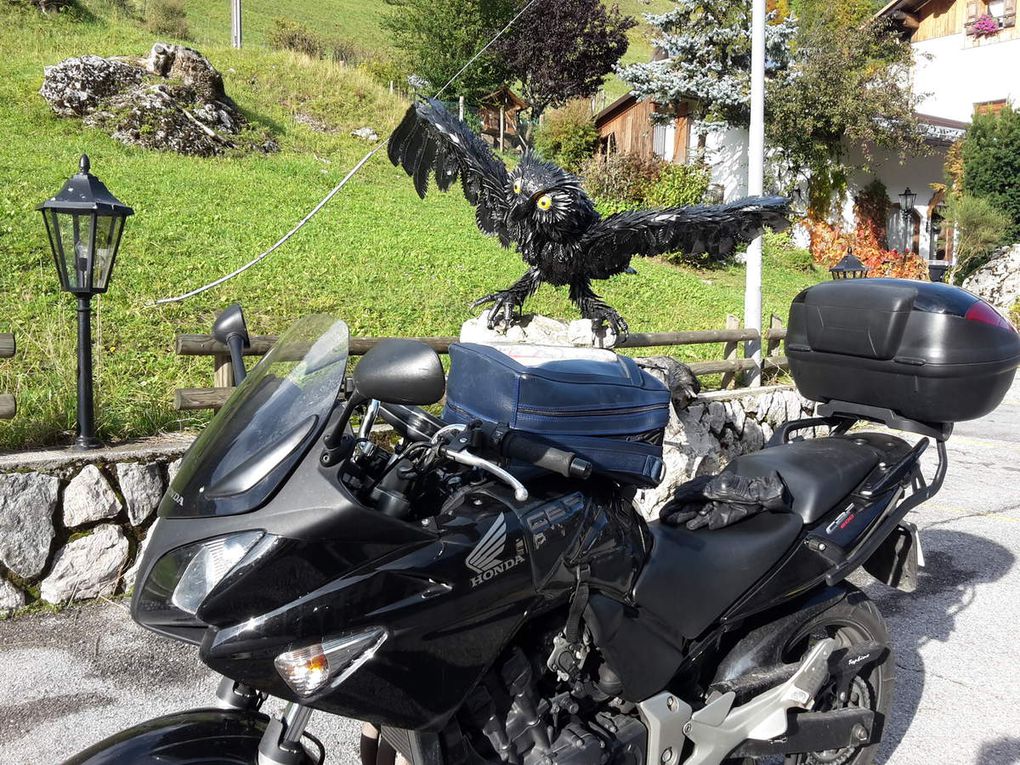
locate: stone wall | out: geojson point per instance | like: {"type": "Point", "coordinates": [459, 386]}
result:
{"type": "Point", "coordinates": [71, 523]}
{"type": "Point", "coordinates": [716, 427]}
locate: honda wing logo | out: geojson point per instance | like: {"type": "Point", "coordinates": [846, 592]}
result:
{"type": "Point", "coordinates": [487, 559]}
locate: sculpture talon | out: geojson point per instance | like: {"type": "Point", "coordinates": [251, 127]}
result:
{"type": "Point", "coordinates": [543, 211]}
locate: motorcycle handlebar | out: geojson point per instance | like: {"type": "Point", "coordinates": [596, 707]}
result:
{"type": "Point", "coordinates": [535, 451]}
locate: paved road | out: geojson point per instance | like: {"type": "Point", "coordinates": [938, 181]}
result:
{"type": "Point", "coordinates": [72, 679]}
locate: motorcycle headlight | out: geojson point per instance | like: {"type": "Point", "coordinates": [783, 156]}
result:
{"type": "Point", "coordinates": [180, 580]}
{"type": "Point", "coordinates": [211, 563]}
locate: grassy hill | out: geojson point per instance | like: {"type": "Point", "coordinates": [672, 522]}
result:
{"type": "Point", "coordinates": [361, 21]}
{"type": "Point", "coordinates": [376, 256]}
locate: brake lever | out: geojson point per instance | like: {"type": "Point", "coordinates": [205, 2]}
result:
{"type": "Point", "coordinates": [473, 460]}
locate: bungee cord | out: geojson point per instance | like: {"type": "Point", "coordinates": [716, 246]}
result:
{"type": "Point", "coordinates": [336, 189]}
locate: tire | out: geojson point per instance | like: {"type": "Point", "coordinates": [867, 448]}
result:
{"type": "Point", "coordinates": [853, 620]}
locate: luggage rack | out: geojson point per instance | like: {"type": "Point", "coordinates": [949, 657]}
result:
{"type": "Point", "coordinates": [840, 416]}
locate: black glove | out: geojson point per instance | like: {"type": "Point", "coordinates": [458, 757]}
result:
{"type": "Point", "coordinates": [722, 500]}
{"type": "Point", "coordinates": [765, 491]}
{"type": "Point", "coordinates": [718, 515]}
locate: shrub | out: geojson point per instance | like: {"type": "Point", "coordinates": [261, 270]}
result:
{"type": "Point", "coordinates": [991, 164]}
{"type": "Point", "coordinates": [285, 34]}
{"type": "Point", "coordinates": [1014, 314]}
{"type": "Point", "coordinates": [679, 185]}
{"type": "Point", "coordinates": [568, 136]}
{"type": "Point", "coordinates": [343, 51]}
{"type": "Point", "coordinates": [620, 181]}
{"type": "Point", "coordinates": [779, 248]}
{"type": "Point", "coordinates": [981, 228]}
{"type": "Point", "coordinates": [167, 18]}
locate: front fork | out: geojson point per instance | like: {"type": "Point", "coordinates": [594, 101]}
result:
{"type": "Point", "coordinates": [281, 743]}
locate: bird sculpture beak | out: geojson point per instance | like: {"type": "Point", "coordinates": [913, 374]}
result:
{"type": "Point", "coordinates": [518, 211]}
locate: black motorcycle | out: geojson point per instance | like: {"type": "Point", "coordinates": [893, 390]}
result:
{"type": "Point", "coordinates": [479, 585]}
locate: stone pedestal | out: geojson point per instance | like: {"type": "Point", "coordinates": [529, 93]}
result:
{"type": "Point", "coordinates": [533, 329]}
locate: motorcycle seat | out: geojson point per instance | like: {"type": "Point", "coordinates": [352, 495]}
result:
{"type": "Point", "coordinates": [692, 577]}
{"type": "Point", "coordinates": [819, 472]}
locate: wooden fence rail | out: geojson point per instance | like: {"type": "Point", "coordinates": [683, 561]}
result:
{"type": "Point", "coordinates": [8, 404]}
{"type": "Point", "coordinates": [730, 366]}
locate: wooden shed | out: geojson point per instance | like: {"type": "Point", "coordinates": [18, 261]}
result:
{"type": "Point", "coordinates": [499, 112]}
{"type": "Point", "coordinates": [627, 126]}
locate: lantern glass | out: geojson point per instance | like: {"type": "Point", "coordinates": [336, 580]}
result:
{"type": "Point", "coordinates": [72, 235]}
{"type": "Point", "coordinates": [108, 231]}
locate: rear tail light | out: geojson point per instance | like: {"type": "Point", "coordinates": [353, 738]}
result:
{"type": "Point", "coordinates": [984, 313]}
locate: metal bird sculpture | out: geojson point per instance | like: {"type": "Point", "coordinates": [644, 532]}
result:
{"type": "Point", "coordinates": [542, 210]}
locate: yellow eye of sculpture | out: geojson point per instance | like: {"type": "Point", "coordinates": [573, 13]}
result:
{"type": "Point", "coordinates": [517, 186]}
{"type": "Point", "coordinates": [544, 202]}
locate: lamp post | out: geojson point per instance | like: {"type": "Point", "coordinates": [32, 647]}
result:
{"type": "Point", "coordinates": [908, 197]}
{"type": "Point", "coordinates": [84, 223]}
{"type": "Point", "coordinates": [849, 267]}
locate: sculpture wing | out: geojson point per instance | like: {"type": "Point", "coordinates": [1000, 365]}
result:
{"type": "Point", "coordinates": [713, 229]}
{"type": "Point", "coordinates": [432, 142]}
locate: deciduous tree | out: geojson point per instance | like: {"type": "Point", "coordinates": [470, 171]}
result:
{"type": "Point", "coordinates": [437, 37]}
{"type": "Point", "coordinates": [563, 50]}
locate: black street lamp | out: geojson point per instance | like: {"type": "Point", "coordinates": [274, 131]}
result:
{"type": "Point", "coordinates": [908, 197]}
{"type": "Point", "coordinates": [84, 223]}
{"type": "Point", "coordinates": [849, 267]}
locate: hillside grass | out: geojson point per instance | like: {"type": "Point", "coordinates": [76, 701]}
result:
{"type": "Point", "coordinates": [377, 257]}
{"type": "Point", "coordinates": [360, 21]}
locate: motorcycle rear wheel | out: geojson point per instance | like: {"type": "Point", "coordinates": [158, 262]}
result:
{"type": "Point", "coordinates": [852, 621]}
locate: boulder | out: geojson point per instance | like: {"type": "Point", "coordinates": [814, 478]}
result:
{"type": "Point", "coordinates": [171, 100]}
{"type": "Point", "coordinates": [998, 280]}
{"type": "Point", "coordinates": [534, 329]}
{"type": "Point", "coordinates": [366, 134]}
{"type": "Point", "coordinates": [76, 86]}
{"type": "Point", "coordinates": [142, 487]}
{"type": "Point", "coordinates": [10, 597]}
{"type": "Point", "coordinates": [27, 504]}
{"type": "Point", "coordinates": [87, 567]}
{"type": "Point", "coordinates": [89, 497]}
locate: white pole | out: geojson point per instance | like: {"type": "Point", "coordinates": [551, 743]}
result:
{"type": "Point", "coordinates": [755, 184]}
{"type": "Point", "coordinates": [235, 23]}
{"type": "Point", "coordinates": [460, 108]}
{"type": "Point", "coordinates": [502, 125]}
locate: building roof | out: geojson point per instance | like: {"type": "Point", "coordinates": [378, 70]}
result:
{"type": "Point", "coordinates": [942, 131]}
{"type": "Point", "coordinates": [900, 6]}
{"type": "Point", "coordinates": [621, 104]}
{"type": "Point", "coordinates": [504, 97]}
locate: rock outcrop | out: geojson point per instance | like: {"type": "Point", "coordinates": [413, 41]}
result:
{"type": "Point", "coordinates": [998, 280]}
{"type": "Point", "coordinates": [171, 100]}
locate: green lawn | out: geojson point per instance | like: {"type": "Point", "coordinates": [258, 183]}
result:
{"type": "Point", "coordinates": [376, 256]}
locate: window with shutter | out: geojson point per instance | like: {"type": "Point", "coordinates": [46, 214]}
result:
{"type": "Point", "coordinates": [974, 9]}
{"type": "Point", "coordinates": [1009, 13]}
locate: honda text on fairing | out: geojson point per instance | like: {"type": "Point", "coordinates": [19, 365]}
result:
{"type": "Point", "coordinates": [484, 590]}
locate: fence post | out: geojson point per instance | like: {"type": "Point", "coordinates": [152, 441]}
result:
{"type": "Point", "coordinates": [730, 351]}
{"type": "Point", "coordinates": [775, 322]}
{"type": "Point", "coordinates": [223, 371]}
{"type": "Point", "coordinates": [8, 404]}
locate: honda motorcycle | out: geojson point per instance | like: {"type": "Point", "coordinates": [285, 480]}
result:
{"type": "Point", "coordinates": [479, 585]}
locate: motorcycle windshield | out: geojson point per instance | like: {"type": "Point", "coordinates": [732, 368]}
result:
{"type": "Point", "coordinates": [266, 426]}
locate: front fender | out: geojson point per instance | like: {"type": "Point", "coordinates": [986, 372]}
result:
{"type": "Point", "coordinates": [206, 736]}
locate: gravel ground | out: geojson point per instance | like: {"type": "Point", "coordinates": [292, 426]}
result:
{"type": "Point", "coordinates": [71, 679]}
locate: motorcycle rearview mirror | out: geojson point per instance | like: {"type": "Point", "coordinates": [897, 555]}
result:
{"type": "Point", "coordinates": [394, 371]}
{"type": "Point", "coordinates": [398, 371]}
{"type": "Point", "coordinates": [230, 330]}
